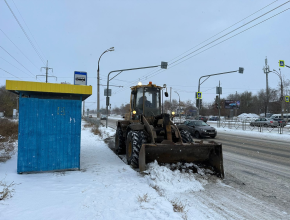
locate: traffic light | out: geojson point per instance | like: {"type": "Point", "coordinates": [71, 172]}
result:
{"type": "Point", "coordinates": [217, 105]}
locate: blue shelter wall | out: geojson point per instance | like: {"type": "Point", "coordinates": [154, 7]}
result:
{"type": "Point", "coordinates": [49, 134]}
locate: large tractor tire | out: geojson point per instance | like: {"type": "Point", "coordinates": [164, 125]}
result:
{"type": "Point", "coordinates": [120, 146]}
{"type": "Point", "coordinates": [135, 139]}
{"type": "Point", "coordinates": [186, 137]}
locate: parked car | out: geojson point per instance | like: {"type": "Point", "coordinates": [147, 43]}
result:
{"type": "Point", "coordinates": [281, 122]}
{"type": "Point", "coordinates": [277, 117]}
{"type": "Point", "coordinates": [103, 117]}
{"type": "Point", "coordinates": [214, 118]}
{"type": "Point", "coordinates": [198, 128]}
{"type": "Point", "coordinates": [203, 118]}
{"type": "Point", "coordinates": [266, 122]}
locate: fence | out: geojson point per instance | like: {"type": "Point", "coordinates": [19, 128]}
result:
{"type": "Point", "coordinates": [245, 125]}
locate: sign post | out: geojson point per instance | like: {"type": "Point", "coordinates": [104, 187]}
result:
{"type": "Point", "coordinates": [80, 78]}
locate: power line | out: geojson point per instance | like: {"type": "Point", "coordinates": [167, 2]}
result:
{"type": "Point", "coordinates": [18, 48]}
{"type": "Point", "coordinates": [13, 65]}
{"type": "Point", "coordinates": [28, 27]}
{"type": "Point", "coordinates": [9, 73]}
{"type": "Point", "coordinates": [25, 33]}
{"type": "Point", "coordinates": [231, 32]}
{"type": "Point", "coordinates": [159, 71]}
{"type": "Point", "coordinates": [224, 30]}
{"type": "Point", "coordinates": [17, 61]}
{"type": "Point", "coordinates": [221, 41]}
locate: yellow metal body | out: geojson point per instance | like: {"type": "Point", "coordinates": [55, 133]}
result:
{"type": "Point", "coordinates": [19, 86]}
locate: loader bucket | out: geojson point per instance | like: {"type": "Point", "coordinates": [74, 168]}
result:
{"type": "Point", "coordinates": [206, 154]}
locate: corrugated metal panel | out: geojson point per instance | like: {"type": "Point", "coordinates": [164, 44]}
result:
{"type": "Point", "coordinates": [13, 85]}
{"type": "Point", "coordinates": [49, 134]}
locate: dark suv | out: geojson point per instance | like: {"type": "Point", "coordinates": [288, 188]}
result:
{"type": "Point", "coordinates": [198, 128]}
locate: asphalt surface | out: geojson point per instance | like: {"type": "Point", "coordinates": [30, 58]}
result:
{"type": "Point", "coordinates": [255, 166]}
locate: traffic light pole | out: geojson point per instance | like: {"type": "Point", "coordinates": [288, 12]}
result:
{"type": "Point", "coordinates": [240, 70]}
{"type": "Point", "coordinates": [219, 122]}
{"type": "Point", "coordinates": [163, 66]}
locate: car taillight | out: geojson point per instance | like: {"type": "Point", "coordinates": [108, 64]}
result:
{"type": "Point", "coordinates": [271, 121]}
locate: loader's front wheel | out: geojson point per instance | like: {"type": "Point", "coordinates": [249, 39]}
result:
{"type": "Point", "coordinates": [120, 146]}
{"type": "Point", "coordinates": [186, 137]}
{"type": "Point", "coordinates": [135, 139]}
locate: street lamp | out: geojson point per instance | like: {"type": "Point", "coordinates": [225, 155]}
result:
{"type": "Point", "coordinates": [281, 98]}
{"type": "Point", "coordinates": [163, 66]}
{"type": "Point", "coordinates": [240, 70]}
{"type": "Point", "coordinates": [98, 78]}
{"type": "Point", "coordinates": [179, 107]}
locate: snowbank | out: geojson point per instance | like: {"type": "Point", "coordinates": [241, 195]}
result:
{"type": "Point", "coordinates": [104, 188]}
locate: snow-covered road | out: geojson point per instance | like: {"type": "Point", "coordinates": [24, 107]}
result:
{"type": "Point", "coordinates": [107, 188]}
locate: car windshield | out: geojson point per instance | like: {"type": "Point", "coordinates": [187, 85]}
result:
{"type": "Point", "coordinates": [198, 123]}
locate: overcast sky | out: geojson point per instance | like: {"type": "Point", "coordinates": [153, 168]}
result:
{"type": "Point", "coordinates": [72, 35]}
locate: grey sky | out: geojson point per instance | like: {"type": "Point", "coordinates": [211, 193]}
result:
{"type": "Point", "coordinates": [72, 35]}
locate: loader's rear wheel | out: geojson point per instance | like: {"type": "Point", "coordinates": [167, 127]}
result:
{"type": "Point", "coordinates": [120, 146]}
{"type": "Point", "coordinates": [186, 137]}
{"type": "Point", "coordinates": [135, 139]}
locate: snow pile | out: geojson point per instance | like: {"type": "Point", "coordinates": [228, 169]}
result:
{"type": "Point", "coordinates": [247, 116]}
{"type": "Point", "coordinates": [166, 180]}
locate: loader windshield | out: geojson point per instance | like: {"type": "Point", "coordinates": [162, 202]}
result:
{"type": "Point", "coordinates": [148, 101]}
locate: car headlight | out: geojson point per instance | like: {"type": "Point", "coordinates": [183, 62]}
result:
{"type": "Point", "coordinates": [203, 130]}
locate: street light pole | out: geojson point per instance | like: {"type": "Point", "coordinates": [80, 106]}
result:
{"type": "Point", "coordinates": [281, 98]}
{"type": "Point", "coordinates": [163, 66]}
{"type": "Point", "coordinates": [240, 70]}
{"type": "Point", "coordinates": [98, 78]}
{"type": "Point", "coordinates": [179, 106]}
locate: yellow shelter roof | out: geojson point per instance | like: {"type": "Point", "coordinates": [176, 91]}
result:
{"type": "Point", "coordinates": [39, 87]}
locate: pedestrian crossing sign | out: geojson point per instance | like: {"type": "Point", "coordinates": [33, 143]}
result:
{"type": "Point", "coordinates": [199, 95]}
{"type": "Point", "coordinates": [281, 63]}
{"type": "Point", "coordinates": [286, 98]}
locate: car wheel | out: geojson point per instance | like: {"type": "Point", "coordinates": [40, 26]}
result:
{"type": "Point", "coordinates": [265, 125]}
{"type": "Point", "coordinates": [197, 135]}
{"type": "Point", "coordinates": [251, 124]}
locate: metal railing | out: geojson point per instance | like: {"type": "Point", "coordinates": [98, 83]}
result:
{"type": "Point", "coordinates": [245, 125]}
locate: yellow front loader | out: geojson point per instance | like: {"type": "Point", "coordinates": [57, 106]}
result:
{"type": "Point", "coordinates": [147, 135]}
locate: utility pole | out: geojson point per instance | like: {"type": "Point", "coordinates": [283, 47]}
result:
{"type": "Point", "coordinates": [219, 101]}
{"type": "Point", "coordinates": [266, 71]}
{"type": "Point", "coordinates": [46, 72]}
{"type": "Point", "coordinates": [170, 100]}
{"type": "Point", "coordinates": [236, 106]}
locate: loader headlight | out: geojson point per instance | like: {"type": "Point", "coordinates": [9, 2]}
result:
{"type": "Point", "coordinates": [173, 113]}
{"type": "Point", "coordinates": [134, 112]}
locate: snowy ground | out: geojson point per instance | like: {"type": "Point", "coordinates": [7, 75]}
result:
{"type": "Point", "coordinates": [107, 188]}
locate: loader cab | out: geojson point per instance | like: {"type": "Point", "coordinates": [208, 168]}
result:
{"type": "Point", "coordinates": [146, 101]}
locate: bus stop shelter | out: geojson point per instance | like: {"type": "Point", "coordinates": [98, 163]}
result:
{"type": "Point", "coordinates": [49, 131]}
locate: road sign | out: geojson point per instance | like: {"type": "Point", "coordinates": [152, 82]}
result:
{"type": "Point", "coordinates": [109, 93]}
{"type": "Point", "coordinates": [80, 78]}
{"type": "Point", "coordinates": [281, 63]}
{"type": "Point", "coordinates": [199, 95]}
{"type": "Point", "coordinates": [286, 98]}
{"type": "Point", "coordinates": [219, 90]}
